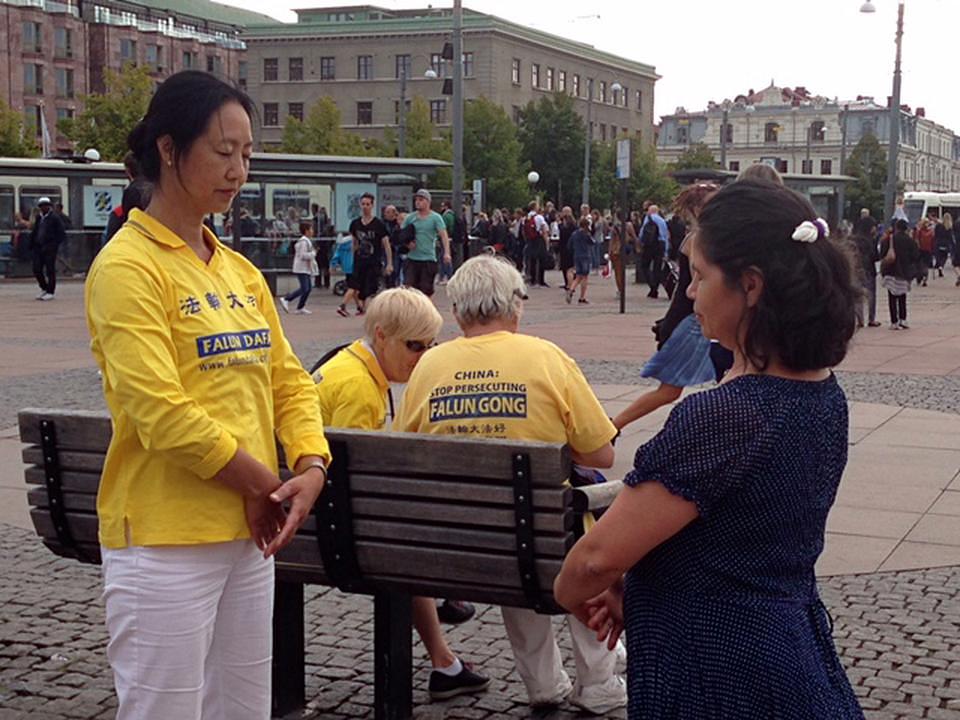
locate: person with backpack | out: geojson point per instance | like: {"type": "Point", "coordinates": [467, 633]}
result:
{"type": "Point", "coordinates": [654, 241]}
{"type": "Point", "coordinates": [536, 235]}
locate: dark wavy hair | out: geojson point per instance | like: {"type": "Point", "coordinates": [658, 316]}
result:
{"type": "Point", "coordinates": [181, 108]}
{"type": "Point", "coordinates": [805, 316]}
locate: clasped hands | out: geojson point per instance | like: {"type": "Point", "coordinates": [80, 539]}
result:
{"type": "Point", "coordinates": [604, 614]}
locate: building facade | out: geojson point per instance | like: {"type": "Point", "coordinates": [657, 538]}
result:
{"type": "Point", "coordinates": [57, 52]}
{"type": "Point", "coordinates": [358, 56]}
{"type": "Point", "coordinates": [800, 133]}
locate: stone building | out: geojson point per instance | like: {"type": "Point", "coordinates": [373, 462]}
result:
{"type": "Point", "coordinates": [357, 56]}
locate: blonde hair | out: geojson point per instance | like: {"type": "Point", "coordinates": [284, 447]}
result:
{"type": "Point", "coordinates": [486, 288]}
{"type": "Point", "coordinates": [761, 172]}
{"type": "Point", "coordinates": [947, 221]}
{"type": "Point", "coordinates": [402, 313]}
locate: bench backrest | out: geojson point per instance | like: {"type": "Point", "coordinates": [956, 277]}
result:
{"type": "Point", "coordinates": [484, 520]}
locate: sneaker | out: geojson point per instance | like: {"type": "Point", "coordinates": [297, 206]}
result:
{"type": "Point", "coordinates": [603, 698]}
{"type": "Point", "coordinates": [443, 687]}
{"type": "Point", "coordinates": [42, 293]}
{"type": "Point", "coordinates": [903, 325]}
{"type": "Point", "coordinates": [47, 296]}
{"type": "Point", "coordinates": [583, 301]}
{"type": "Point", "coordinates": [894, 326]}
{"type": "Point", "coordinates": [454, 612]}
{"type": "Point", "coordinates": [873, 323]}
{"type": "Point", "coordinates": [342, 311]}
{"type": "Point", "coordinates": [303, 311]}
{"type": "Point", "coordinates": [360, 311]}
{"type": "Point", "coordinates": [559, 698]}
{"type": "Point", "coordinates": [285, 304]}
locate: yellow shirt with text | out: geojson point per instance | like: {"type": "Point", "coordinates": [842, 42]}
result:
{"type": "Point", "coordinates": [353, 389]}
{"type": "Point", "coordinates": [195, 365]}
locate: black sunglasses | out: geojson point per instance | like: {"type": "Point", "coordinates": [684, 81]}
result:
{"type": "Point", "coordinates": [415, 346]}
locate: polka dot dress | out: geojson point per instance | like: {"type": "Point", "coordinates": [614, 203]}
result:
{"type": "Point", "coordinates": [723, 619]}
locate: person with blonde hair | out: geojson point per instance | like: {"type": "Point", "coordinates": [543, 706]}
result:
{"type": "Point", "coordinates": [533, 391]}
{"type": "Point", "coordinates": [354, 391]}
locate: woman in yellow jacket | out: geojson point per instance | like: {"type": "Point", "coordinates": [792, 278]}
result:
{"type": "Point", "coordinates": [200, 382]}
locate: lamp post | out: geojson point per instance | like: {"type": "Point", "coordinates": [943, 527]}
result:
{"type": "Point", "coordinates": [841, 191]}
{"type": "Point", "coordinates": [724, 119]}
{"type": "Point", "coordinates": [430, 74]}
{"type": "Point", "coordinates": [890, 191]}
{"type": "Point", "coordinates": [457, 194]}
{"type": "Point", "coordinates": [585, 195]}
{"type": "Point", "coordinates": [749, 110]}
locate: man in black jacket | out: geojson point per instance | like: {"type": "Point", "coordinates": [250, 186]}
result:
{"type": "Point", "coordinates": [45, 239]}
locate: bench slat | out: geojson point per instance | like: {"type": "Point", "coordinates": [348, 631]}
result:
{"type": "Point", "coordinates": [460, 489]}
{"type": "Point", "coordinates": [81, 483]}
{"type": "Point", "coordinates": [364, 507]}
{"type": "Point", "coordinates": [76, 429]}
{"type": "Point", "coordinates": [75, 460]}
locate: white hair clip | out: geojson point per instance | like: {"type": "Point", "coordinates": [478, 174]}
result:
{"type": "Point", "coordinates": [811, 231]}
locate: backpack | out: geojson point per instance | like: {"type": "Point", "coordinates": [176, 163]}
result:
{"type": "Point", "coordinates": [650, 234]}
{"type": "Point", "coordinates": [530, 228]}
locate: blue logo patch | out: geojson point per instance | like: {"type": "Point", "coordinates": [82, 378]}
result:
{"type": "Point", "coordinates": [210, 345]}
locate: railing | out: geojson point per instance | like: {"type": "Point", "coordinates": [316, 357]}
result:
{"type": "Point", "coordinates": [47, 5]}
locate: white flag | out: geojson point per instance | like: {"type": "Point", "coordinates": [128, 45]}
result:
{"type": "Point", "coordinates": [45, 132]}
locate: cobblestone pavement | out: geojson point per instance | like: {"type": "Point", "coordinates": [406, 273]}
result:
{"type": "Point", "coordinates": [898, 635]}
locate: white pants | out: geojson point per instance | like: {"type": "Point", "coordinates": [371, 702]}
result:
{"type": "Point", "coordinates": [538, 659]}
{"type": "Point", "coordinates": [190, 631]}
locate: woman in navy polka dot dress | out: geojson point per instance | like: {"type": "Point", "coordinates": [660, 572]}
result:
{"type": "Point", "coordinates": [707, 556]}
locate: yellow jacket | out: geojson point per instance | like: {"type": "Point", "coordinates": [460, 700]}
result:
{"type": "Point", "coordinates": [195, 364]}
{"type": "Point", "coordinates": [353, 389]}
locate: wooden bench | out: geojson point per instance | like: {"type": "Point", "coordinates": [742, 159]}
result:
{"type": "Point", "coordinates": [488, 521]}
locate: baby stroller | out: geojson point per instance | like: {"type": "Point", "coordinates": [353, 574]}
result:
{"type": "Point", "coordinates": [342, 258]}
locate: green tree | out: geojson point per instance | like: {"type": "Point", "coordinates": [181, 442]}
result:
{"type": "Point", "coordinates": [320, 134]}
{"type": "Point", "coordinates": [491, 150]}
{"type": "Point", "coordinates": [552, 136]}
{"type": "Point", "coordinates": [109, 117]}
{"type": "Point", "coordinates": [649, 179]}
{"type": "Point", "coordinates": [868, 164]}
{"type": "Point", "coordinates": [14, 142]}
{"type": "Point", "coordinates": [696, 157]}
{"type": "Point", "coordinates": [424, 141]}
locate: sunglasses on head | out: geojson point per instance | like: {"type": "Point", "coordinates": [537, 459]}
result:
{"type": "Point", "coordinates": [415, 346]}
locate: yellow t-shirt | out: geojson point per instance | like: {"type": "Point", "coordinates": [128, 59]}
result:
{"type": "Point", "coordinates": [353, 389]}
{"type": "Point", "coordinates": [504, 385]}
{"type": "Point", "coordinates": [195, 364]}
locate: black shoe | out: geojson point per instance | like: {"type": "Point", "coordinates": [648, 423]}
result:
{"type": "Point", "coordinates": [443, 687]}
{"type": "Point", "coordinates": [454, 612]}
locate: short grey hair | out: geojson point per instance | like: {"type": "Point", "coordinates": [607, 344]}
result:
{"type": "Point", "coordinates": [486, 288]}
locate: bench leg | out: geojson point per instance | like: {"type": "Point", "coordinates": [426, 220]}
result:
{"type": "Point", "coordinates": [289, 683]}
{"type": "Point", "coordinates": [393, 656]}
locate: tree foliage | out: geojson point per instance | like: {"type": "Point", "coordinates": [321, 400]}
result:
{"type": "Point", "coordinates": [491, 150]}
{"type": "Point", "coordinates": [424, 141]}
{"type": "Point", "coordinates": [14, 142]}
{"type": "Point", "coordinates": [108, 117]}
{"type": "Point", "coordinates": [868, 164]}
{"type": "Point", "coordinates": [696, 157]}
{"type": "Point", "coordinates": [649, 179]}
{"type": "Point", "coordinates": [320, 134]}
{"type": "Point", "coordinates": [552, 136]}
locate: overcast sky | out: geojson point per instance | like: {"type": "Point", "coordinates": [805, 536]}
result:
{"type": "Point", "coordinates": [709, 49]}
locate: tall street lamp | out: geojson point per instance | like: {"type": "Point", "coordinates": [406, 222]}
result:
{"type": "Point", "coordinates": [585, 195]}
{"type": "Point", "coordinates": [724, 121]}
{"type": "Point", "coordinates": [890, 192]}
{"type": "Point", "coordinates": [430, 74]}
{"type": "Point", "coordinates": [457, 194]}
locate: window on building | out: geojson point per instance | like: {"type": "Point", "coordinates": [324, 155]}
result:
{"type": "Point", "coordinates": [625, 96]}
{"type": "Point", "coordinates": [868, 128]}
{"type": "Point", "coordinates": [401, 66]}
{"type": "Point", "coordinates": [295, 110]}
{"type": "Point", "coordinates": [31, 120]}
{"type": "Point", "coordinates": [439, 64]}
{"type": "Point", "coordinates": [549, 79]}
{"type": "Point", "coordinates": [782, 166]}
{"type": "Point", "coordinates": [818, 131]}
{"type": "Point", "coordinates": [603, 132]}
{"type": "Point", "coordinates": [806, 167]}
{"type": "Point", "coordinates": [242, 74]}
{"type": "Point", "coordinates": [515, 72]}
{"type": "Point", "coordinates": [155, 58]}
{"type": "Point", "coordinates": [365, 113]}
{"type": "Point", "coordinates": [63, 42]}
{"type": "Point", "coordinates": [396, 110]}
{"type": "Point", "coordinates": [562, 81]}
{"type": "Point", "coordinates": [214, 64]}
{"type": "Point", "coordinates": [603, 91]}
{"type": "Point", "coordinates": [189, 60]}
{"type": "Point", "coordinates": [271, 68]}
{"type": "Point", "coordinates": [33, 79]}
{"type": "Point", "coordinates": [726, 133]}
{"type": "Point", "coordinates": [365, 67]}
{"type": "Point", "coordinates": [683, 135]}
{"type": "Point", "coordinates": [438, 112]}
{"type": "Point", "coordinates": [735, 166]}
{"type": "Point", "coordinates": [295, 68]}
{"type": "Point", "coordinates": [64, 82]}
{"type": "Point", "coordinates": [468, 64]}
{"type": "Point", "coordinates": [517, 114]}
{"type": "Point", "coordinates": [328, 68]}
{"type": "Point", "coordinates": [576, 85]}
{"type": "Point", "coordinates": [615, 97]}
{"type": "Point", "coordinates": [639, 99]}
{"type": "Point", "coordinates": [271, 114]}
{"type": "Point", "coordinates": [128, 51]}
{"type": "Point", "coordinates": [535, 75]}
{"type": "Point", "coordinates": [826, 167]}
{"type": "Point", "coordinates": [771, 132]}
{"type": "Point", "coordinates": [64, 113]}
{"type": "Point", "coordinates": [32, 37]}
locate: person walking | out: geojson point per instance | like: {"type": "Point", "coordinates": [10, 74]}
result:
{"type": "Point", "coordinates": [654, 241]}
{"type": "Point", "coordinates": [202, 386]}
{"type": "Point", "coordinates": [420, 268]}
{"type": "Point", "coordinates": [924, 238]}
{"type": "Point", "coordinates": [707, 557]}
{"type": "Point", "coordinates": [865, 245]}
{"type": "Point", "coordinates": [942, 239]}
{"type": "Point", "coordinates": [371, 244]}
{"type": "Point", "coordinates": [536, 235]}
{"type": "Point", "coordinates": [581, 247]}
{"type": "Point", "coordinates": [305, 268]}
{"type": "Point", "coordinates": [568, 226]}
{"type": "Point", "coordinates": [899, 261]}
{"type": "Point", "coordinates": [46, 237]}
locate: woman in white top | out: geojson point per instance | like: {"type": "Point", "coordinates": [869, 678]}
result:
{"type": "Point", "coordinates": [305, 268]}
